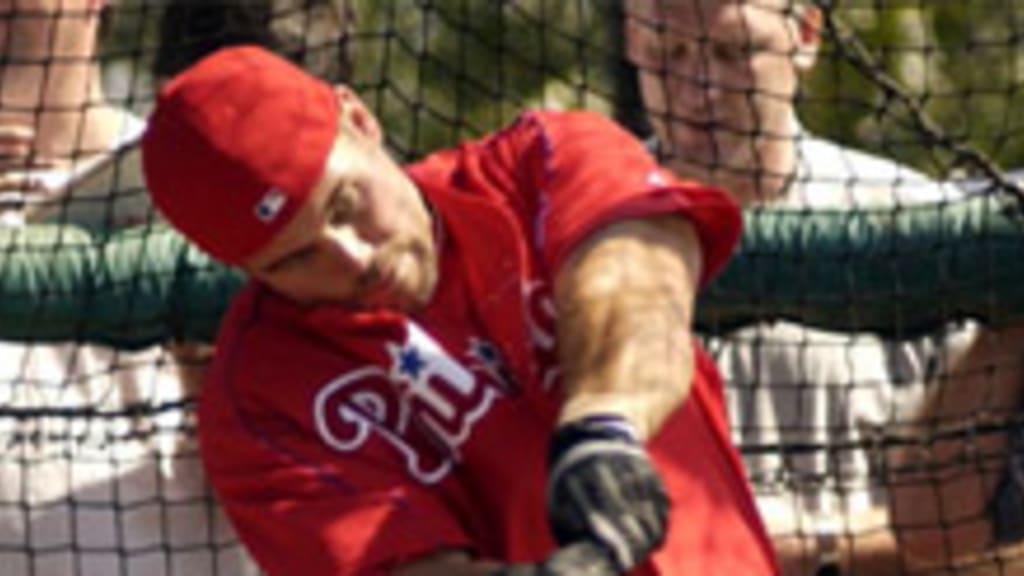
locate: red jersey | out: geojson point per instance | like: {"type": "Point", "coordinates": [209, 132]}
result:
{"type": "Point", "coordinates": [350, 443]}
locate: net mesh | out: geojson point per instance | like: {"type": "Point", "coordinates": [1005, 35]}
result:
{"type": "Point", "coordinates": [875, 454]}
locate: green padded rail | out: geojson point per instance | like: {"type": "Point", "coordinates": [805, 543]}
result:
{"type": "Point", "coordinates": [893, 272]}
{"type": "Point", "coordinates": [129, 290]}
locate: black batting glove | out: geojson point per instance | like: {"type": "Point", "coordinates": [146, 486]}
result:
{"type": "Point", "coordinates": [603, 489]}
{"type": "Point", "coordinates": [579, 559]}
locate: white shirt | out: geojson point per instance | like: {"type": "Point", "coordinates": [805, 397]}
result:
{"type": "Point", "coordinates": [824, 395]}
{"type": "Point", "coordinates": [99, 468]}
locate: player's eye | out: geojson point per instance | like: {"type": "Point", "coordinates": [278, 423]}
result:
{"type": "Point", "coordinates": [304, 255]}
{"type": "Point", "coordinates": [293, 261]}
{"type": "Point", "coordinates": [343, 204]}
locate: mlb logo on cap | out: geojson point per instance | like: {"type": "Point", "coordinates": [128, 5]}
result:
{"type": "Point", "coordinates": [269, 207]}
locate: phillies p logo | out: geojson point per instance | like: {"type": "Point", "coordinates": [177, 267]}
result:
{"type": "Point", "coordinates": [425, 405]}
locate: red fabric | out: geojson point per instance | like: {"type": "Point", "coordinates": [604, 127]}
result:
{"type": "Point", "coordinates": [598, 173]}
{"type": "Point", "coordinates": [234, 147]}
{"type": "Point", "coordinates": [344, 443]}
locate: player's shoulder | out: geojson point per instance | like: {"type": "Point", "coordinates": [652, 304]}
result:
{"type": "Point", "coordinates": [264, 333]}
{"type": "Point", "coordinates": [554, 135]}
{"type": "Point", "coordinates": [566, 117]}
{"type": "Point", "coordinates": [565, 125]}
{"type": "Point", "coordinates": [255, 334]}
{"type": "Point", "coordinates": [267, 345]}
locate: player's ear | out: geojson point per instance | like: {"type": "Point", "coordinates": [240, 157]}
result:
{"type": "Point", "coordinates": [808, 36]}
{"type": "Point", "coordinates": [357, 115]}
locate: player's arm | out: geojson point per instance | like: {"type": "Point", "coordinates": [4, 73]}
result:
{"type": "Point", "coordinates": [625, 303]}
{"type": "Point", "coordinates": [624, 300]}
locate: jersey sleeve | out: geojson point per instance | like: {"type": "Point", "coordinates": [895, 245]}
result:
{"type": "Point", "coordinates": [585, 172]}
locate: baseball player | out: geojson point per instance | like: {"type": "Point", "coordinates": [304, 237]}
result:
{"type": "Point", "coordinates": [478, 364]}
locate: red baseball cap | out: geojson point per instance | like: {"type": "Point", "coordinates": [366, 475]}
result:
{"type": "Point", "coordinates": [235, 146]}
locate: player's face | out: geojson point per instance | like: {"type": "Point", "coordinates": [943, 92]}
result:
{"type": "Point", "coordinates": [718, 78]}
{"type": "Point", "coordinates": [364, 239]}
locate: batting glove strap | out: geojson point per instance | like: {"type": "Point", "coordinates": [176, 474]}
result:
{"type": "Point", "coordinates": [603, 489]}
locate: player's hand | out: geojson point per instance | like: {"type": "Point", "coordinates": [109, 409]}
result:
{"type": "Point", "coordinates": [580, 559]}
{"type": "Point", "coordinates": [602, 488]}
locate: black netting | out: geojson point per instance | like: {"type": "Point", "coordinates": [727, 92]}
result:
{"type": "Point", "coordinates": [867, 331]}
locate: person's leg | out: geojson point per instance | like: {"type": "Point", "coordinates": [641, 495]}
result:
{"type": "Point", "coordinates": [941, 481]}
{"type": "Point", "coordinates": [798, 554]}
{"type": "Point", "coordinates": [872, 548]}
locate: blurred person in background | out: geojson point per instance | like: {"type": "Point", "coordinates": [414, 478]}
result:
{"type": "Point", "coordinates": [100, 472]}
{"type": "Point", "coordinates": [314, 34]}
{"type": "Point", "coordinates": [718, 81]}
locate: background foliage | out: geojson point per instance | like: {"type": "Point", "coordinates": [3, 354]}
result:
{"type": "Point", "coordinates": [959, 62]}
{"type": "Point", "coordinates": [439, 71]}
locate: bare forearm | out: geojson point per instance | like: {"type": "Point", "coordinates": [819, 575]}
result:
{"type": "Point", "coordinates": [625, 302]}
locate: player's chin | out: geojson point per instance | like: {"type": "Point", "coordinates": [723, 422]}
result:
{"type": "Point", "coordinates": [405, 279]}
{"type": "Point", "coordinates": [417, 273]}
{"type": "Point", "coordinates": [416, 294]}
{"type": "Point", "coordinates": [398, 300]}
{"type": "Point", "coordinates": [403, 291]}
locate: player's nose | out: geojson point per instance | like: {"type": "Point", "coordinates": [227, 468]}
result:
{"type": "Point", "coordinates": [354, 253]}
